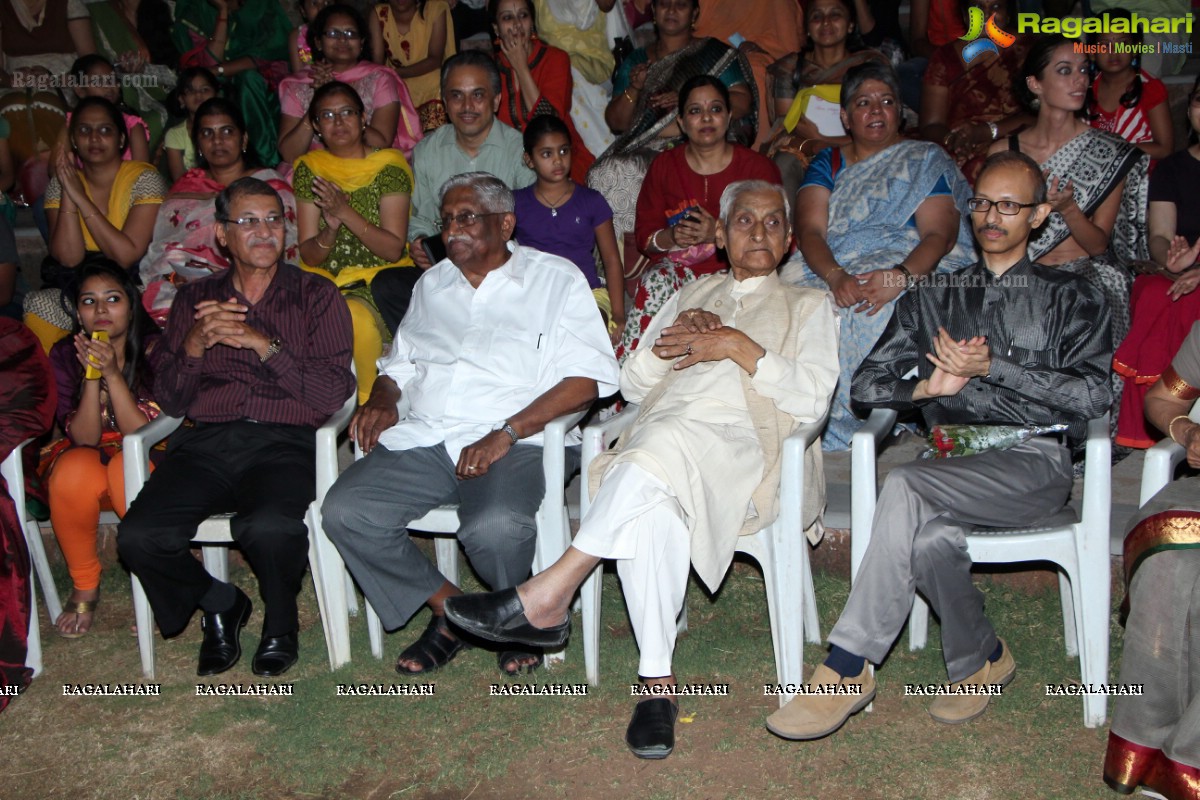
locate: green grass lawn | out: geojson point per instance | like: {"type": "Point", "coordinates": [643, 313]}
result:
{"type": "Point", "coordinates": [461, 742]}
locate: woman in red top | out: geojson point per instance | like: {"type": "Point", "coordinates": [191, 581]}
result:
{"type": "Point", "coordinates": [680, 201]}
{"type": "Point", "coordinates": [535, 78]}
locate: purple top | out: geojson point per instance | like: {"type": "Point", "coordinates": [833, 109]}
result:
{"type": "Point", "coordinates": [68, 377]}
{"type": "Point", "coordinates": [569, 233]}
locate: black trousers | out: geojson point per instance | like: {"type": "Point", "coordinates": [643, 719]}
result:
{"type": "Point", "coordinates": [392, 290]}
{"type": "Point", "coordinates": [264, 474]}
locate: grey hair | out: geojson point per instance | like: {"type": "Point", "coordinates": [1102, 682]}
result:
{"type": "Point", "coordinates": [472, 58]}
{"type": "Point", "coordinates": [738, 188]}
{"type": "Point", "coordinates": [494, 195]}
{"type": "Point", "coordinates": [871, 71]}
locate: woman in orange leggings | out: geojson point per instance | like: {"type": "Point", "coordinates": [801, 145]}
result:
{"type": "Point", "coordinates": [104, 392]}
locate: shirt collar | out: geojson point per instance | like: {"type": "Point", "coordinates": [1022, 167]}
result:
{"type": "Point", "coordinates": [514, 269]}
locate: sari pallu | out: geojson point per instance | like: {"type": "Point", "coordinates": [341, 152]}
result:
{"type": "Point", "coordinates": [618, 172]}
{"type": "Point", "coordinates": [869, 212]}
{"type": "Point", "coordinates": [1096, 163]}
{"type": "Point", "coordinates": [184, 247]}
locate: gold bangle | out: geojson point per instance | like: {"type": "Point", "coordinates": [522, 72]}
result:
{"type": "Point", "coordinates": [89, 216]}
{"type": "Point", "coordinates": [1171, 425]}
{"type": "Point", "coordinates": [317, 239]}
{"type": "Point", "coordinates": [628, 96]}
{"type": "Point", "coordinates": [829, 275]}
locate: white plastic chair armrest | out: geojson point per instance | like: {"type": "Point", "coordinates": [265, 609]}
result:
{"type": "Point", "coordinates": [597, 438]}
{"type": "Point", "coordinates": [136, 447]}
{"type": "Point", "coordinates": [1159, 468]}
{"type": "Point", "coordinates": [326, 457]}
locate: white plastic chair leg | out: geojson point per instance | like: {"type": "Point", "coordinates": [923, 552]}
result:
{"type": "Point", "coordinates": [812, 620]}
{"type": "Point", "coordinates": [1070, 614]}
{"type": "Point", "coordinates": [216, 561]}
{"type": "Point", "coordinates": [374, 630]}
{"type": "Point", "coordinates": [918, 623]}
{"type": "Point", "coordinates": [329, 578]}
{"type": "Point", "coordinates": [589, 599]}
{"type": "Point", "coordinates": [33, 651]}
{"type": "Point", "coordinates": [144, 619]}
{"type": "Point", "coordinates": [37, 554]}
{"type": "Point", "coordinates": [446, 550]}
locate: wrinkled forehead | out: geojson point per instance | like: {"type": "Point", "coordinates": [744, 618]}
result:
{"type": "Point", "coordinates": [255, 205]}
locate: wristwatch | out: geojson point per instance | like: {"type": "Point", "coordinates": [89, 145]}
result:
{"type": "Point", "coordinates": [273, 347]}
{"type": "Point", "coordinates": [220, 70]}
{"type": "Point", "coordinates": [512, 434]}
{"type": "Point", "coordinates": [909, 279]}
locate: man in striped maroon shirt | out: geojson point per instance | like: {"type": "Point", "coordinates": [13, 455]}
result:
{"type": "Point", "coordinates": [263, 360]}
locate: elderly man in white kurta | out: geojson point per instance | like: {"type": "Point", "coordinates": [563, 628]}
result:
{"type": "Point", "coordinates": [731, 366]}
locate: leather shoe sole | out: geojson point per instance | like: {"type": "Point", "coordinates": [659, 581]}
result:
{"type": "Point", "coordinates": [276, 655]}
{"type": "Point", "coordinates": [500, 617]}
{"type": "Point", "coordinates": [651, 732]}
{"type": "Point", "coordinates": [222, 645]}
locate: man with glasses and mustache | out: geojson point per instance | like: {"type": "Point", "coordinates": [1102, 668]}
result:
{"type": "Point", "coordinates": [1002, 342]}
{"type": "Point", "coordinates": [262, 362]}
{"type": "Point", "coordinates": [499, 341]}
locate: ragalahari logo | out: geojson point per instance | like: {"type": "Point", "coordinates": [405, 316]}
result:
{"type": "Point", "coordinates": [995, 36]}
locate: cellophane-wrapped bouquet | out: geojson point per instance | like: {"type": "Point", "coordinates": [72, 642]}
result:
{"type": "Point", "coordinates": [951, 441]}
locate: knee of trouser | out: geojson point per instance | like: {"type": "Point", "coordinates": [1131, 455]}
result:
{"type": "Point", "coordinates": [499, 528]}
{"type": "Point", "coordinates": [932, 544]}
{"type": "Point", "coordinates": [268, 527]}
{"type": "Point", "coordinates": [132, 538]}
{"type": "Point", "coordinates": [336, 511]}
{"type": "Point", "coordinates": [75, 469]}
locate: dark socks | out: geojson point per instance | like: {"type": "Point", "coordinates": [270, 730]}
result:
{"type": "Point", "coordinates": [999, 651]}
{"type": "Point", "coordinates": [219, 598]}
{"type": "Point", "coordinates": [845, 663]}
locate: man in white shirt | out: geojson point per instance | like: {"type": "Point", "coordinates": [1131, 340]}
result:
{"type": "Point", "coordinates": [499, 341]}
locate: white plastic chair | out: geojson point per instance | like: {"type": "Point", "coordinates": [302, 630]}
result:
{"type": "Point", "coordinates": [213, 534]}
{"type": "Point", "coordinates": [1078, 545]}
{"type": "Point", "coordinates": [14, 476]}
{"type": "Point", "coordinates": [781, 550]}
{"type": "Point", "coordinates": [553, 538]}
{"type": "Point", "coordinates": [1161, 460]}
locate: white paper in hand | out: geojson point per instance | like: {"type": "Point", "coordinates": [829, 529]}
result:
{"type": "Point", "coordinates": [825, 115]}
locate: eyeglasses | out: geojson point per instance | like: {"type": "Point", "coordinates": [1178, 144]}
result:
{"type": "Point", "coordinates": [251, 223]}
{"type": "Point", "coordinates": [1006, 207]}
{"type": "Point", "coordinates": [466, 219]}
{"type": "Point", "coordinates": [334, 33]}
{"type": "Point", "coordinates": [342, 114]}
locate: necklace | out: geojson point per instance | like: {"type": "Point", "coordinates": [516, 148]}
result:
{"type": "Point", "coordinates": [561, 199]}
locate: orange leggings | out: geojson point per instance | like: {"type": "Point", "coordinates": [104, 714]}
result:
{"type": "Point", "coordinates": [80, 488]}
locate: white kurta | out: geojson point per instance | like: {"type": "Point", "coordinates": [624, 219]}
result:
{"type": "Point", "coordinates": [699, 437]}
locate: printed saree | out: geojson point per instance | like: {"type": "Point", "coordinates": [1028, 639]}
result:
{"type": "Point", "coordinates": [870, 210]}
{"type": "Point", "coordinates": [184, 247]}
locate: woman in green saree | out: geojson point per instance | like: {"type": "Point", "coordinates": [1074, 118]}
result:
{"type": "Point", "coordinates": [244, 42]}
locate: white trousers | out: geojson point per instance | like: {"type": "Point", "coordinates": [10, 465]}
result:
{"type": "Point", "coordinates": [636, 519]}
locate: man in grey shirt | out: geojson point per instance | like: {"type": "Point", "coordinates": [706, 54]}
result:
{"type": "Point", "coordinates": [1003, 342]}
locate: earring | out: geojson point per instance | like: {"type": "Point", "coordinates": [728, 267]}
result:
{"type": "Point", "coordinates": [1035, 103]}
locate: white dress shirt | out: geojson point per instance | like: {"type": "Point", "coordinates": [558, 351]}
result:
{"type": "Point", "coordinates": [468, 359]}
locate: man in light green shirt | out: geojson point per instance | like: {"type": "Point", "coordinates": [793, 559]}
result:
{"type": "Point", "coordinates": [473, 141]}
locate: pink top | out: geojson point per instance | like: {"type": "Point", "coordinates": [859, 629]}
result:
{"type": "Point", "coordinates": [377, 85]}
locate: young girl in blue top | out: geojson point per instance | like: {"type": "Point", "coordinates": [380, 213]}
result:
{"type": "Point", "coordinates": [558, 216]}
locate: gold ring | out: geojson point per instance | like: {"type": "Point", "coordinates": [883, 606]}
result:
{"type": "Point", "coordinates": [689, 350]}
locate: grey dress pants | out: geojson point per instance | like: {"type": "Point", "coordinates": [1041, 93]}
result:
{"type": "Point", "coordinates": [918, 542]}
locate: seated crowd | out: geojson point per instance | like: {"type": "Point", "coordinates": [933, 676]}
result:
{"type": "Point", "coordinates": [757, 241]}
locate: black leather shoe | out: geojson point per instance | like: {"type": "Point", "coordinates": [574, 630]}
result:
{"type": "Point", "coordinates": [500, 617]}
{"type": "Point", "coordinates": [222, 645]}
{"type": "Point", "coordinates": [276, 654]}
{"type": "Point", "coordinates": [651, 732]}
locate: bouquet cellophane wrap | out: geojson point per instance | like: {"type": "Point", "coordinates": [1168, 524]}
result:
{"type": "Point", "coordinates": [951, 441]}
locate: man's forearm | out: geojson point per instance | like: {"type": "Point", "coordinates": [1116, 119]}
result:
{"type": "Point", "coordinates": [569, 396]}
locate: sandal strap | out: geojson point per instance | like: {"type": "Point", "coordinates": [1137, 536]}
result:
{"type": "Point", "coordinates": [80, 606]}
{"type": "Point", "coordinates": [432, 649]}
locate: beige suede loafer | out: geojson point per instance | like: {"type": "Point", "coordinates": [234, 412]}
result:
{"type": "Point", "coordinates": [823, 705]}
{"type": "Point", "coordinates": [969, 698]}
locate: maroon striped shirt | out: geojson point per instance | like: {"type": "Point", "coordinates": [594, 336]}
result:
{"type": "Point", "coordinates": [302, 384]}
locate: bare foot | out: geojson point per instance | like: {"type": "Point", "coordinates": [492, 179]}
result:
{"type": "Point", "coordinates": [78, 611]}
